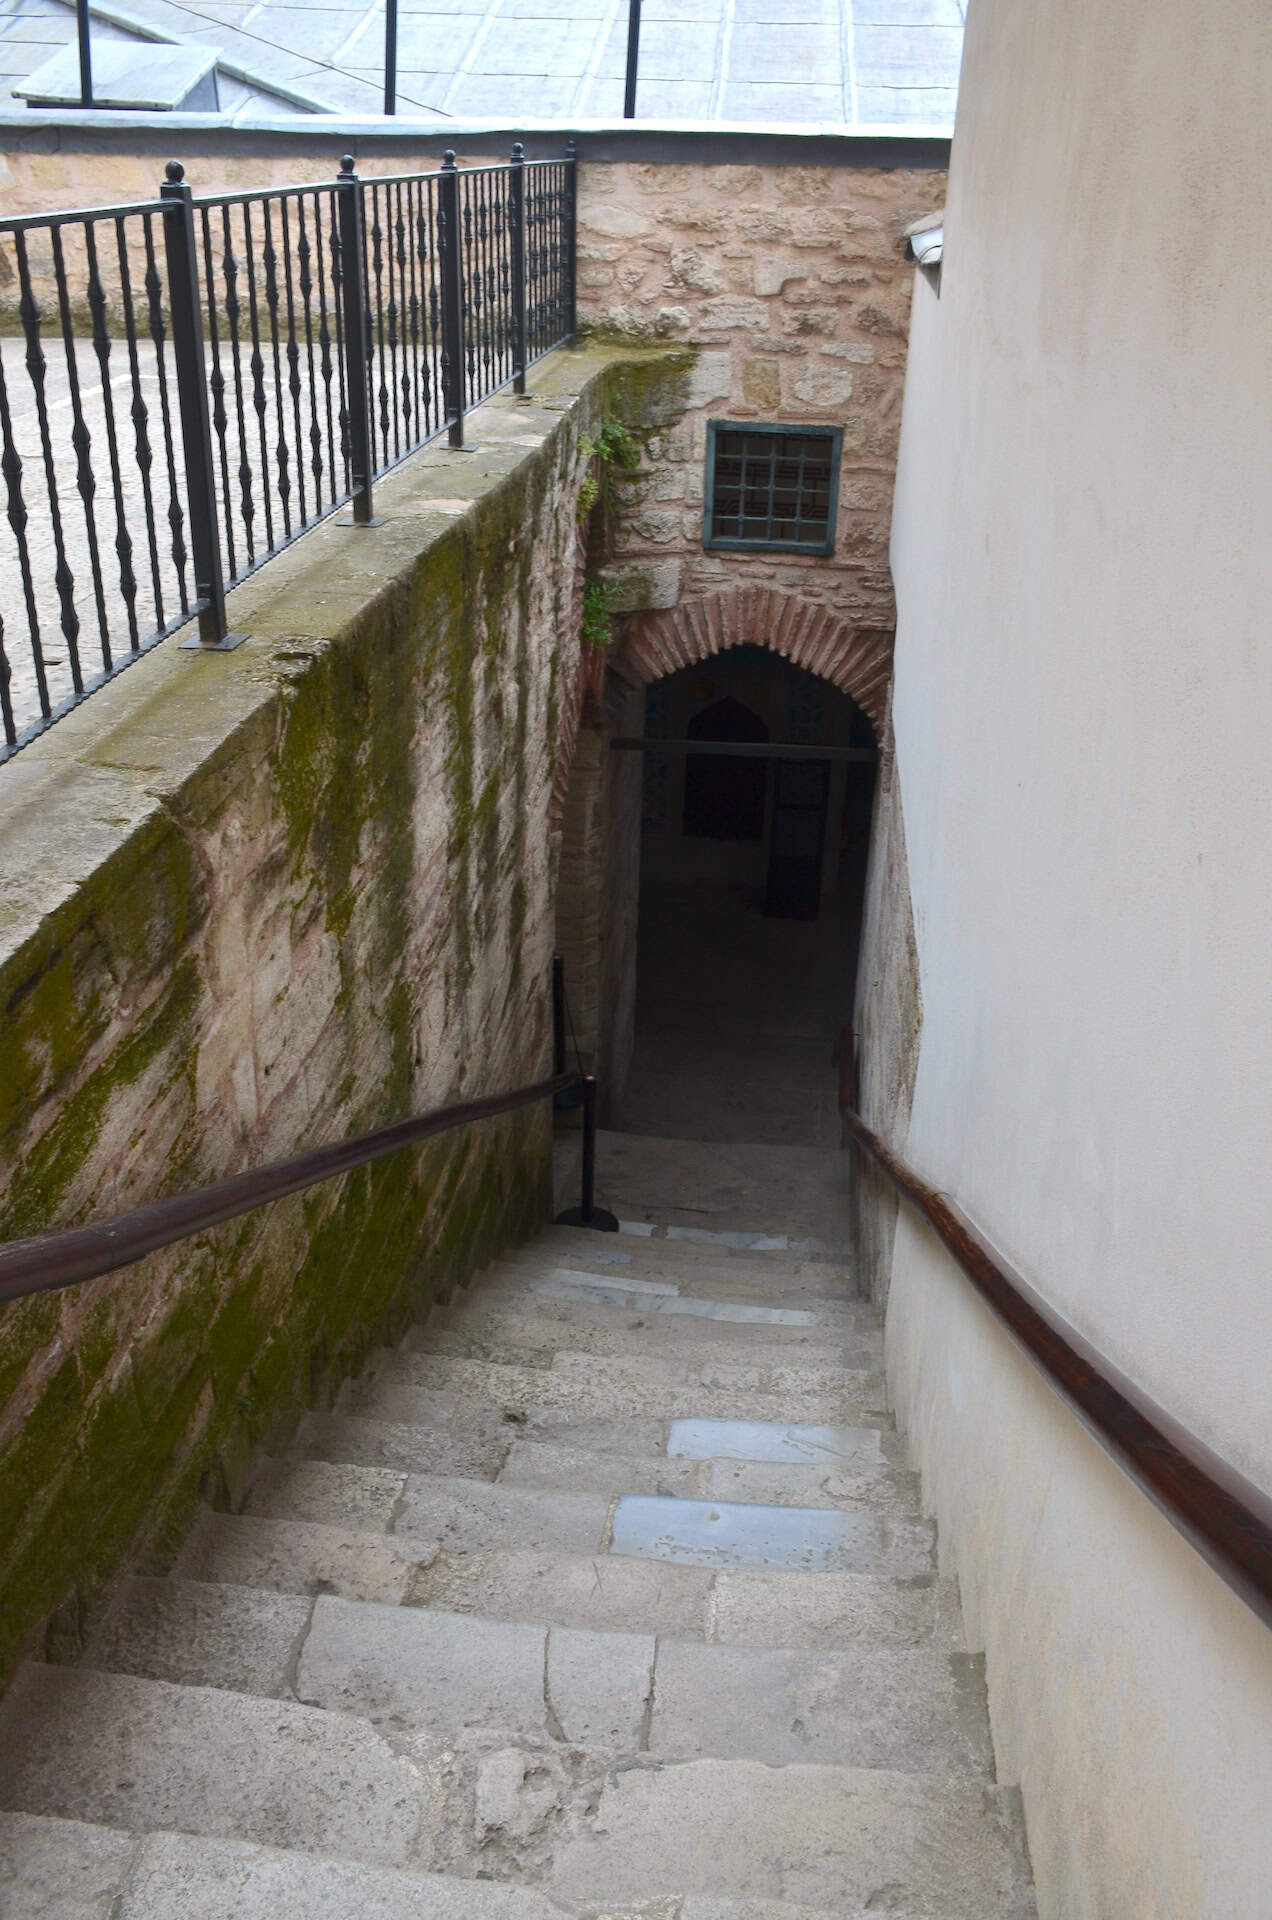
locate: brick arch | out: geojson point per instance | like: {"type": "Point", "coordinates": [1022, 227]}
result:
{"type": "Point", "coordinates": [857, 660]}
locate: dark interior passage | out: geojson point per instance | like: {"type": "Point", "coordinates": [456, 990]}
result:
{"type": "Point", "coordinates": [747, 941]}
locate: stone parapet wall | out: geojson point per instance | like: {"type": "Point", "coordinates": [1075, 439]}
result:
{"type": "Point", "coordinates": [259, 901]}
{"type": "Point", "coordinates": [792, 283]}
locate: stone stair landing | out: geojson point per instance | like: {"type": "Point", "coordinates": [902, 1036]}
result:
{"type": "Point", "coordinates": [607, 1592]}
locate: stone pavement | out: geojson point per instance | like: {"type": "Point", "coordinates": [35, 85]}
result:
{"type": "Point", "coordinates": [843, 62]}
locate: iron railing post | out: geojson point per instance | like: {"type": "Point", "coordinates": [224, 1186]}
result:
{"type": "Point", "coordinates": [85, 52]}
{"type": "Point", "coordinates": [354, 301]}
{"type": "Point", "coordinates": [185, 309]}
{"type": "Point", "coordinates": [390, 55]}
{"type": "Point", "coordinates": [517, 236]}
{"type": "Point", "coordinates": [633, 59]}
{"type": "Point", "coordinates": [450, 249]}
{"type": "Point", "coordinates": [571, 239]}
{"type": "Point", "coordinates": [587, 1213]}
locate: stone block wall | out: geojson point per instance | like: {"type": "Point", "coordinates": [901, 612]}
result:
{"type": "Point", "coordinates": [256, 902]}
{"type": "Point", "coordinates": [791, 281]}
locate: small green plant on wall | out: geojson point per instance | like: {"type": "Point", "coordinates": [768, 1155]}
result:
{"type": "Point", "coordinates": [598, 610]}
{"type": "Point", "coordinates": [613, 446]}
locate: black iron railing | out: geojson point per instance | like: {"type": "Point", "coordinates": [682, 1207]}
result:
{"type": "Point", "coordinates": [188, 384]}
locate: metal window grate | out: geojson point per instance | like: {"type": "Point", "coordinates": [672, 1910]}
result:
{"type": "Point", "coordinates": [771, 487]}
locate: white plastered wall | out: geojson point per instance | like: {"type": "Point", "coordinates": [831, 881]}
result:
{"type": "Point", "coordinates": [1082, 550]}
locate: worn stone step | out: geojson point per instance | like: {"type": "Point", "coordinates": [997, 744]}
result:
{"type": "Point", "coordinates": [521, 1336]}
{"type": "Point", "coordinates": [55, 1869]}
{"type": "Point", "coordinates": [868, 1481]}
{"type": "Point", "coordinates": [790, 1282]}
{"type": "Point", "coordinates": [616, 1591]}
{"type": "Point", "coordinates": [641, 1241]}
{"type": "Point", "coordinates": [467, 1515]}
{"type": "Point", "coordinates": [697, 1459]}
{"type": "Point", "coordinates": [819, 1836]}
{"type": "Point", "coordinates": [715, 1293]}
{"type": "Point", "coordinates": [717, 1533]}
{"type": "Point", "coordinates": [137, 1753]}
{"type": "Point", "coordinates": [304, 1556]}
{"type": "Point", "coordinates": [591, 1384]}
{"type": "Point", "coordinates": [437, 1673]}
{"type": "Point", "coordinates": [460, 1514]}
{"type": "Point", "coordinates": [821, 1370]}
{"type": "Point", "coordinates": [593, 1300]}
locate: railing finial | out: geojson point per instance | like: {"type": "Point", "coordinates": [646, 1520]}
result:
{"type": "Point", "coordinates": [347, 166]}
{"type": "Point", "coordinates": [175, 172]}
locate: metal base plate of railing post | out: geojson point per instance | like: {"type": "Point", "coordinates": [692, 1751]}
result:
{"type": "Point", "coordinates": [600, 1219]}
{"type": "Point", "coordinates": [226, 644]}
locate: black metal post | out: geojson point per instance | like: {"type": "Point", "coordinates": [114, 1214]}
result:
{"type": "Point", "coordinates": [571, 238]}
{"type": "Point", "coordinates": [85, 53]}
{"type": "Point", "coordinates": [517, 236]}
{"type": "Point", "coordinates": [390, 56]}
{"type": "Point", "coordinates": [588, 1214]}
{"type": "Point", "coordinates": [185, 306]}
{"type": "Point", "coordinates": [357, 387]}
{"type": "Point", "coordinates": [633, 57]}
{"type": "Point", "coordinates": [450, 249]}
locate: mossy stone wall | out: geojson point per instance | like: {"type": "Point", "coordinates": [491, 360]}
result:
{"type": "Point", "coordinates": [258, 901]}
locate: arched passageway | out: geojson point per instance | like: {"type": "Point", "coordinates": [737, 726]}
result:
{"type": "Point", "coordinates": [752, 867]}
{"type": "Point", "coordinates": [721, 890]}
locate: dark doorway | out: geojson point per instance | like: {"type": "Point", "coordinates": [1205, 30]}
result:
{"type": "Point", "coordinates": [725, 793]}
{"type": "Point", "coordinates": [798, 843]}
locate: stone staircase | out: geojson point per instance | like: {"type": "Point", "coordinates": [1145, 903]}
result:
{"type": "Point", "coordinates": [607, 1593]}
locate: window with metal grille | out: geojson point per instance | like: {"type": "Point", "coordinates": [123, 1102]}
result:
{"type": "Point", "coordinates": [771, 487]}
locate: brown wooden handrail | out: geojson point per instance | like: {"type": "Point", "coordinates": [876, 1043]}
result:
{"type": "Point", "coordinates": [52, 1260]}
{"type": "Point", "coordinates": [1227, 1518]}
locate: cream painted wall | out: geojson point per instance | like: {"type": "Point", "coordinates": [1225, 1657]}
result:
{"type": "Point", "coordinates": [1082, 550]}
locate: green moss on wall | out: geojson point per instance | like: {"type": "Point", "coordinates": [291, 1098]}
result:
{"type": "Point", "coordinates": [118, 1405]}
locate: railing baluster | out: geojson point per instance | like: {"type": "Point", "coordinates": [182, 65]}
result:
{"type": "Point", "coordinates": [37, 370]}
{"type": "Point", "coordinates": [82, 442]}
{"type": "Point", "coordinates": [517, 238]}
{"type": "Point", "coordinates": [101, 347]}
{"type": "Point", "coordinates": [282, 453]}
{"type": "Point", "coordinates": [140, 417]}
{"type": "Point", "coordinates": [293, 355]}
{"type": "Point", "coordinates": [15, 506]}
{"type": "Point", "coordinates": [257, 366]}
{"type": "Point", "coordinates": [452, 296]}
{"type": "Point", "coordinates": [216, 385]}
{"type": "Point", "coordinates": [192, 397]}
{"type": "Point", "coordinates": [361, 459]}
{"type": "Point", "coordinates": [158, 339]}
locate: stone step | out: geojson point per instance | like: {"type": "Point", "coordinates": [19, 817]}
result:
{"type": "Point", "coordinates": [814, 1835]}
{"type": "Point", "coordinates": [821, 1370]}
{"type": "Point", "coordinates": [462, 1515]}
{"type": "Point", "coordinates": [55, 1869]}
{"type": "Point", "coordinates": [594, 1300]}
{"type": "Point", "coordinates": [590, 1384]}
{"type": "Point", "coordinates": [798, 1285]}
{"type": "Point", "coordinates": [655, 1244]}
{"type": "Point", "coordinates": [518, 1336]}
{"type": "Point", "coordinates": [865, 1482]}
{"type": "Point", "coordinates": [435, 1674]}
{"type": "Point", "coordinates": [136, 1753]}
{"type": "Point", "coordinates": [577, 1590]}
{"type": "Point", "coordinates": [809, 1466]}
{"type": "Point", "coordinates": [465, 1516]}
